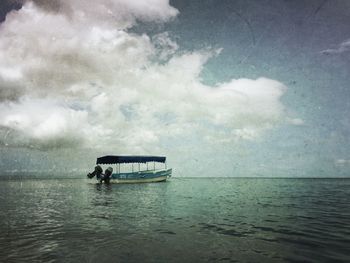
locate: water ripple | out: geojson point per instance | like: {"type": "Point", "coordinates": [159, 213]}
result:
{"type": "Point", "coordinates": [187, 220]}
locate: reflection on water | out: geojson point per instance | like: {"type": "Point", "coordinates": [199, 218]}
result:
{"type": "Point", "coordinates": [183, 220]}
{"type": "Point", "coordinates": [103, 187]}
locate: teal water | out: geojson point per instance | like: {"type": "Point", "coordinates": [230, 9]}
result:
{"type": "Point", "coordinates": [183, 220]}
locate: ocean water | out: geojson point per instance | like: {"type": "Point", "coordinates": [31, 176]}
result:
{"type": "Point", "coordinates": [182, 220]}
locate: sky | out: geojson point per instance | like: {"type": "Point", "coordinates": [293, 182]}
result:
{"type": "Point", "coordinates": [222, 88]}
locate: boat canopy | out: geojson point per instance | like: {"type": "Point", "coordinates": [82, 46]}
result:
{"type": "Point", "coordinates": [112, 159]}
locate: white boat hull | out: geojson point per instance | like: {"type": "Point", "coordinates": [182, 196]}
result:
{"type": "Point", "coordinates": [141, 177]}
{"type": "Point", "coordinates": [147, 180]}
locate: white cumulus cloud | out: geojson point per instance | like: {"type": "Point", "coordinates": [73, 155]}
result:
{"type": "Point", "coordinates": [341, 48]}
{"type": "Point", "coordinates": [72, 75]}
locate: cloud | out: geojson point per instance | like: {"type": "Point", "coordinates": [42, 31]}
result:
{"type": "Point", "coordinates": [164, 46]}
{"type": "Point", "coordinates": [341, 48]}
{"type": "Point", "coordinates": [38, 123]}
{"type": "Point", "coordinates": [120, 13]}
{"type": "Point", "coordinates": [295, 121]}
{"type": "Point", "coordinates": [72, 75]}
{"type": "Point", "coordinates": [342, 162]}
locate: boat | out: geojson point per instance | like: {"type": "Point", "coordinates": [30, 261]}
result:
{"type": "Point", "coordinates": [140, 176]}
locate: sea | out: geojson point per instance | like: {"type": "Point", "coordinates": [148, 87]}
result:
{"type": "Point", "coordinates": [181, 220]}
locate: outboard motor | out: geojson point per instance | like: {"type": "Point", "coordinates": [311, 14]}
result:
{"type": "Point", "coordinates": [107, 175]}
{"type": "Point", "coordinates": [109, 171]}
{"type": "Point", "coordinates": [98, 171]}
